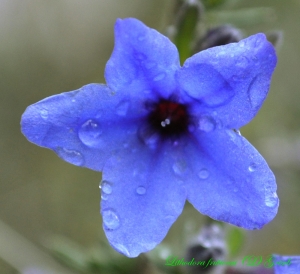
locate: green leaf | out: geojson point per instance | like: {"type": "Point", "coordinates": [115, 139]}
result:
{"type": "Point", "coordinates": [186, 23]}
{"type": "Point", "coordinates": [235, 240]}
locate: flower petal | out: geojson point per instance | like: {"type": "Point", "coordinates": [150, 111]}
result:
{"type": "Point", "coordinates": [229, 180]}
{"type": "Point", "coordinates": [230, 81]}
{"type": "Point", "coordinates": [143, 61]}
{"type": "Point", "coordinates": [286, 264]}
{"type": "Point", "coordinates": [141, 198]}
{"type": "Point", "coordinates": [84, 127]}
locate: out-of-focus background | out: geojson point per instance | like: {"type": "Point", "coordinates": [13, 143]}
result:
{"type": "Point", "coordinates": [48, 47]}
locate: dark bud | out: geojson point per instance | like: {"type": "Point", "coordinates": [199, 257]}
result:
{"type": "Point", "coordinates": [275, 37]}
{"type": "Point", "coordinates": [208, 247]}
{"type": "Point", "coordinates": [218, 36]}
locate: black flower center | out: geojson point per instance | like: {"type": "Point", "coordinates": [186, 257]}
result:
{"type": "Point", "coordinates": [169, 118]}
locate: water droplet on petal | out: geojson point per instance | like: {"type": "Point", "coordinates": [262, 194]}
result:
{"type": "Point", "coordinates": [44, 114]}
{"type": "Point", "coordinates": [89, 133]}
{"type": "Point", "coordinates": [179, 167]}
{"type": "Point", "coordinates": [104, 196]}
{"type": "Point", "coordinates": [122, 108]}
{"type": "Point", "coordinates": [110, 219]}
{"type": "Point", "coordinates": [237, 132]}
{"type": "Point", "coordinates": [241, 44]}
{"type": "Point", "coordinates": [206, 124]}
{"type": "Point", "coordinates": [258, 41]}
{"type": "Point", "coordinates": [106, 187]}
{"type": "Point", "coordinates": [122, 249]}
{"type": "Point", "coordinates": [235, 137]}
{"type": "Point", "coordinates": [70, 155]}
{"type": "Point", "coordinates": [149, 137]}
{"type": "Point", "coordinates": [255, 96]}
{"type": "Point", "coordinates": [203, 174]}
{"type": "Point", "coordinates": [252, 167]}
{"type": "Point", "coordinates": [235, 190]}
{"type": "Point", "coordinates": [159, 77]}
{"type": "Point", "coordinates": [242, 62]}
{"type": "Point", "coordinates": [141, 190]}
{"type": "Point", "coordinates": [271, 200]}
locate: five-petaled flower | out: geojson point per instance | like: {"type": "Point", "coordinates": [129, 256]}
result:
{"type": "Point", "coordinates": [163, 134]}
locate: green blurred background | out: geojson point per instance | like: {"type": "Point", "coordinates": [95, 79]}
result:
{"type": "Point", "coordinates": [49, 47]}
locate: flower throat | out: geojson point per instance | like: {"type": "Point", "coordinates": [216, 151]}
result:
{"type": "Point", "coordinates": [169, 118]}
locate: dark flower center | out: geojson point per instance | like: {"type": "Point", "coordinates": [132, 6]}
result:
{"type": "Point", "coordinates": [169, 118]}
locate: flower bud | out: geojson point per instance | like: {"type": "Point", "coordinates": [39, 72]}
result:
{"type": "Point", "coordinates": [218, 36]}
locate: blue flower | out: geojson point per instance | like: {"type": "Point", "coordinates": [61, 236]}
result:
{"type": "Point", "coordinates": [286, 264]}
{"type": "Point", "coordinates": [163, 134]}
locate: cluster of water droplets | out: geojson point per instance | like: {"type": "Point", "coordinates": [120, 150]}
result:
{"type": "Point", "coordinates": [271, 198]}
{"type": "Point", "coordinates": [110, 218]}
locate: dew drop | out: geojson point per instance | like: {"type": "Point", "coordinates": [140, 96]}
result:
{"type": "Point", "coordinates": [110, 219]}
{"type": "Point", "coordinates": [179, 167]}
{"type": "Point", "coordinates": [72, 156]}
{"type": "Point", "coordinates": [242, 62]}
{"type": "Point", "coordinates": [89, 133]}
{"type": "Point", "coordinates": [271, 200]}
{"type": "Point", "coordinates": [122, 108]}
{"type": "Point", "coordinates": [159, 77]}
{"type": "Point", "coordinates": [104, 196]}
{"type": "Point", "coordinates": [106, 187]}
{"type": "Point", "coordinates": [258, 41]}
{"type": "Point", "coordinates": [203, 174]}
{"type": "Point", "coordinates": [235, 137]}
{"type": "Point", "coordinates": [254, 95]}
{"type": "Point", "coordinates": [252, 167]}
{"type": "Point", "coordinates": [44, 114]}
{"type": "Point", "coordinates": [122, 249]}
{"type": "Point", "coordinates": [237, 132]}
{"type": "Point", "coordinates": [149, 137]}
{"type": "Point", "coordinates": [141, 190]}
{"type": "Point", "coordinates": [241, 44]}
{"type": "Point", "coordinates": [206, 124]}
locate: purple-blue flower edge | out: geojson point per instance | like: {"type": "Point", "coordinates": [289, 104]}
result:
{"type": "Point", "coordinates": [163, 134]}
{"type": "Point", "coordinates": [286, 264]}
